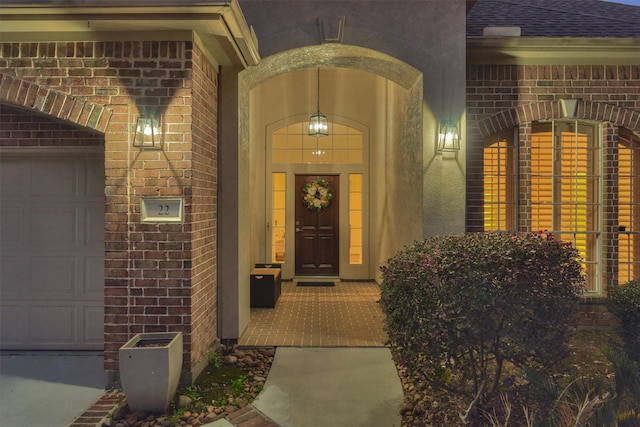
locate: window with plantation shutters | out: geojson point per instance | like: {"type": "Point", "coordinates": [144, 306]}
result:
{"type": "Point", "coordinates": [628, 207]}
{"type": "Point", "coordinates": [565, 189]}
{"type": "Point", "coordinates": [499, 176]}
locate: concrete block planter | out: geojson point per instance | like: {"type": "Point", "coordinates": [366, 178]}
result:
{"type": "Point", "coordinates": [150, 367]}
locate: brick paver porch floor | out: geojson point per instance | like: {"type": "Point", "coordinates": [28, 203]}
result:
{"type": "Point", "coordinates": [344, 315]}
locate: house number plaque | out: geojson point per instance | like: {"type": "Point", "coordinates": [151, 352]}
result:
{"type": "Point", "coordinates": [161, 209]}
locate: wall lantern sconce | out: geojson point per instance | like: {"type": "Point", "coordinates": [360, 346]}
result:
{"type": "Point", "coordinates": [318, 123]}
{"type": "Point", "coordinates": [448, 137]}
{"type": "Point", "coordinates": [147, 134]}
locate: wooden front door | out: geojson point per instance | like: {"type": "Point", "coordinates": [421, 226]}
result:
{"type": "Point", "coordinates": [317, 245]}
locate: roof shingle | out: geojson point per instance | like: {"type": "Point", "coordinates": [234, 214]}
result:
{"type": "Point", "coordinates": [556, 18]}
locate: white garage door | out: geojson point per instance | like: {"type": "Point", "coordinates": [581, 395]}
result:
{"type": "Point", "coordinates": [51, 251]}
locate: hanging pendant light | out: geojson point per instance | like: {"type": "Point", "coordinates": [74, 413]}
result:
{"type": "Point", "coordinates": [318, 124]}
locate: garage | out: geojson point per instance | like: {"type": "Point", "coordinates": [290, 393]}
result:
{"type": "Point", "coordinates": [52, 249]}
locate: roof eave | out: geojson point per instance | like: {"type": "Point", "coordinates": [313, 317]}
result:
{"type": "Point", "coordinates": [553, 50]}
{"type": "Point", "coordinates": [219, 27]}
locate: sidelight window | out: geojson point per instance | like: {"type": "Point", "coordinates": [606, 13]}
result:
{"type": "Point", "coordinates": [278, 214]}
{"type": "Point", "coordinates": [355, 218]}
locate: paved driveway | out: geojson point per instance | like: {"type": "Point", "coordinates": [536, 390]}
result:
{"type": "Point", "coordinates": [48, 389]}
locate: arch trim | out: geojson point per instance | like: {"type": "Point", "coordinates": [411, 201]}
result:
{"type": "Point", "coordinates": [38, 98]}
{"type": "Point", "coordinates": [586, 110]}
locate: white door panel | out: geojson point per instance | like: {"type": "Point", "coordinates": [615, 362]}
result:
{"type": "Point", "coordinates": [52, 252]}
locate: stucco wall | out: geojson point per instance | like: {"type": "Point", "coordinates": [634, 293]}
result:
{"type": "Point", "coordinates": [427, 35]}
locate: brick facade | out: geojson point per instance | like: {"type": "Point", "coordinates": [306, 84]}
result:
{"type": "Point", "coordinates": [158, 277]}
{"type": "Point", "coordinates": [204, 205]}
{"type": "Point", "coordinates": [503, 97]}
{"type": "Point", "coordinates": [594, 314]}
{"type": "Point", "coordinates": [21, 128]}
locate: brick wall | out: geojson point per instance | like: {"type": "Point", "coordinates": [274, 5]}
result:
{"type": "Point", "coordinates": [21, 128]}
{"type": "Point", "coordinates": [158, 277]}
{"type": "Point", "coordinates": [204, 206]}
{"type": "Point", "coordinates": [502, 97]}
{"type": "Point", "coordinates": [594, 314]}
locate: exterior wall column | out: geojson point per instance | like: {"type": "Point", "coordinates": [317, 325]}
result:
{"type": "Point", "coordinates": [233, 213]}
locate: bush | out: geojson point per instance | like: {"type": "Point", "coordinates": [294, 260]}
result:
{"type": "Point", "coordinates": [624, 303]}
{"type": "Point", "coordinates": [458, 307]}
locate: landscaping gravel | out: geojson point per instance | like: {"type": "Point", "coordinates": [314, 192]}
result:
{"type": "Point", "coordinates": [256, 362]}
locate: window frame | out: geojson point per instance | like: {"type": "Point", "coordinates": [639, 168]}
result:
{"type": "Point", "coordinates": [629, 141]}
{"type": "Point", "coordinates": [511, 180]}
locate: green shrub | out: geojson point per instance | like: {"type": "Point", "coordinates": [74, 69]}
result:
{"type": "Point", "coordinates": [459, 307]}
{"type": "Point", "coordinates": [626, 395]}
{"type": "Point", "coordinates": [624, 302]}
{"type": "Point", "coordinates": [629, 419]}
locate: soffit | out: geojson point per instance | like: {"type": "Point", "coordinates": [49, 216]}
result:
{"type": "Point", "coordinates": [219, 28]}
{"type": "Point", "coordinates": [551, 50]}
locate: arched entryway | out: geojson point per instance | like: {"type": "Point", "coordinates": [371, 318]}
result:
{"type": "Point", "coordinates": [360, 89]}
{"type": "Point", "coordinates": [359, 92]}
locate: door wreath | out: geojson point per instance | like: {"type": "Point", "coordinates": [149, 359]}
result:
{"type": "Point", "coordinates": [317, 194]}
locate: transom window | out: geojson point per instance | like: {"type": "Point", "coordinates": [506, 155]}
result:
{"type": "Point", "coordinates": [292, 144]}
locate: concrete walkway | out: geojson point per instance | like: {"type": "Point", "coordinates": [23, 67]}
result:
{"type": "Point", "coordinates": [51, 389]}
{"type": "Point", "coordinates": [306, 387]}
{"type": "Point", "coordinates": [329, 387]}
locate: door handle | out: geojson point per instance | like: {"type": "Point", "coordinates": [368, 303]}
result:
{"type": "Point", "coordinates": [298, 229]}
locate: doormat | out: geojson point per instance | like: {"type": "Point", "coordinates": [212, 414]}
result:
{"type": "Point", "coordinates": [316, 284]}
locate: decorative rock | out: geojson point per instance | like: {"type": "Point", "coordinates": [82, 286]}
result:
{"type": "Point", "coordinates": [230, 359]}
{"type": "Point", "coordinates": [269, 352]}
{"type": "Point", "coordinates": [184, 401]}
{"type": "Point", "coordinates": [121, 412]}
{"type": "Point", "coordinates": [256, 377]}
{"type": "Point", "coordinates": [141, 415]}
{"type": "Point", "coordinates": [211, 418]}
